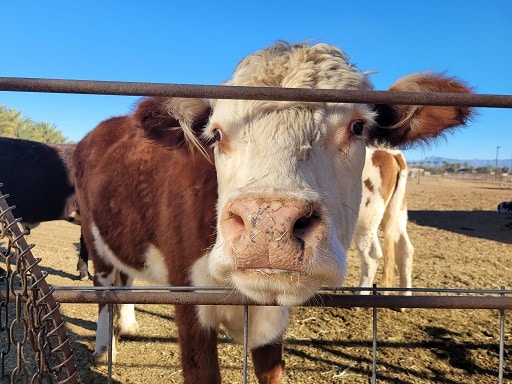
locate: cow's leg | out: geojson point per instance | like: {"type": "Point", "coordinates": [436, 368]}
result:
{"type": "Point", "coordinates": [389, 259]}
{"type": "Point", "coordinates": [128, 325]}
{"type": "Point", "coordinates": [268, 363]}
{"type": "Point", "coordinates": [370, 252]}
{"type": "Point", "coordinates": [198, 345]}
{"type": "Point", "coordinates": [404, 259]}
{"type": "Point", "coordinates": [83, 259]}
{"type": "Point", "coordinates": [105, 276]}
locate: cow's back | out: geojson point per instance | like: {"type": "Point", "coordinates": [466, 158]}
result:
{"type": "Point", "coordinates": [145, 193]}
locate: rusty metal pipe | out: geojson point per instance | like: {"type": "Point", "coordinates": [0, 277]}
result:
{"type": "Point", "coordinates": [106, 296]}
{"type": "Point", "coordinates": [19, 84]}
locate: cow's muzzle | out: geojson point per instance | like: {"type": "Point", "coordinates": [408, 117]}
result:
{"type": "Point", "coordinates": [272, 234]}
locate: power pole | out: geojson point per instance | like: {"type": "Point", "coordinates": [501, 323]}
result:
{"type": "Point", "coordinates": [496, 167]}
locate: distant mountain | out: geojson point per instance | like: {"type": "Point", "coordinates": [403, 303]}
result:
{"type": "Point", "coordinates": [438, 161]}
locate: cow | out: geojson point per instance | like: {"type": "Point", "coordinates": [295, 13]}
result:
{"type": "Point", "coordinates": [272, 219]}
{"type": "Point", "coordinates": [504, 207]}
{"type": "Point", "coordinates": [384, 205]}
{"type": "Point", "coordinates": [39, 181]}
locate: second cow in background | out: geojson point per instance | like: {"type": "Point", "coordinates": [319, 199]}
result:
{"type": "Point", "coordinates": [384, 205]}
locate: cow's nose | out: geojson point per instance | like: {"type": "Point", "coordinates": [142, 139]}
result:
{"type": "Point", "coordinates": [271, 233]}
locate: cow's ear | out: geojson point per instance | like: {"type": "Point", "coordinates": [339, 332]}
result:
{"type": "Point", "coordinates": [404, 125]}
{"type": "Point", "coordinates": [174, 122]}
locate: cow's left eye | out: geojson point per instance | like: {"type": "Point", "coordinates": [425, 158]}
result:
{"type": "Point", "coordinates": [357, 127]}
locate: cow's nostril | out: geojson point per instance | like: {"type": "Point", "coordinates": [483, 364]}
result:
{"type": "Point", "coordinates": [236, 221]}
{"type": "Point", "coordinates": [302, 223]}
{"type": "Point", "coordinates": [306, 224]}
{"type": "Point", "coordinates": [233, 225]}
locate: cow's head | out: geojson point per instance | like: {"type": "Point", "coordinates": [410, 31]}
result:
{"type": "Point", "coordinates": [289, 173]}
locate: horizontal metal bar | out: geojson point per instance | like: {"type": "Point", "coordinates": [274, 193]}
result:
{"type": "Point", "coordinates": [399, 301]}
{"type": "Point", "coordinates": [106, 296]}
{"type": "Point", "coordinates": [332, 290]}
{"type": "Point", "coordinates": [20, 84]}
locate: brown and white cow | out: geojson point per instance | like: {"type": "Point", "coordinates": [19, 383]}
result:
{"type": "Point", "coordinates": [277, 226]}
{"type": "Point", "coordinates": [384, 205]}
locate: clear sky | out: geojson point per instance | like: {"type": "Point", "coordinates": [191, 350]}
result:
{"type": "Point", "coordinates": [200, 42]}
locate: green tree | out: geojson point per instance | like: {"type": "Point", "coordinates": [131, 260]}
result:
{"type": "Point", "coordinates": [14, 124]}
{"type": "Point", "coordinates": [10, 121]}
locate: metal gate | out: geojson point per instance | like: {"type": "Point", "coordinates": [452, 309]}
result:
{"type": "Point", "coordinates": [35, 338]}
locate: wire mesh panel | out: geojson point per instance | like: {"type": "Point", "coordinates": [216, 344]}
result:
{"type": "Point", "coordinates": [34, 342]}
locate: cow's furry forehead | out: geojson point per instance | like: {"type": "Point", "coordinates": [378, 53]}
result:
{"type": "Point", "coordinates": [320, 66]}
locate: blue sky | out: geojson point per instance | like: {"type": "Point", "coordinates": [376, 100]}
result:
{"type": "Point", "coordinates": [201, 42]}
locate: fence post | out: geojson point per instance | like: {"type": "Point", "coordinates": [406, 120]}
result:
{"type": "Point", "coordinates": [374, 344]}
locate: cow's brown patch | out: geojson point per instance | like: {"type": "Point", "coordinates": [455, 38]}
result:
{"type": "Point", "coordinates": [369, 185]}
{"type": "Point", "coordinates": [388, 171]}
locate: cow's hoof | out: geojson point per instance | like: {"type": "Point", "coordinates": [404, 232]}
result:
{"type": "Point", "coordinates": [129, 330]}
{"type": "Point", "coordinates": [100, 357]}
{"type": "Point", "coordinates": [84, 275]}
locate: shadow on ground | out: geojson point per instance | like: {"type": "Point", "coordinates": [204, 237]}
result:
{"type": "Point", "coordinates": [481, 224]}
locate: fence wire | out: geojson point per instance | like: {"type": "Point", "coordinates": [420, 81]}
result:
{"type": "Point", "coordinates": [433, 298]}
{"type": "Point", "coordinates": [36, 333]}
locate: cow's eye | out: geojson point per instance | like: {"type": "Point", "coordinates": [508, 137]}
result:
{"type": "Point", "coordinates": [357, 127]}
{"type": "Point", "coordinates": [217, 135]}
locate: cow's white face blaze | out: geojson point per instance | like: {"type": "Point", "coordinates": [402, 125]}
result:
{"type": "Point", "coordinates": [289, 178]}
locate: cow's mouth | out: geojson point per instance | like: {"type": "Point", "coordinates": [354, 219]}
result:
{"type": "Point", "coordinates": [275, 286]}
{"type": "Point", "coordinates": [278, 276]}
{"type": "Point", "coordinates": [273, 271]}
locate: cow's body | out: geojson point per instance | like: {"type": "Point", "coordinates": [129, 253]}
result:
{"type": "Point", "coordinates": [384, 205]}
{"type": "Point", "coordinates": [504, 207]}
{"type": "Point", "coordinates": [39, 180]}
{"type": "Point", "coordinates": [277, 226]}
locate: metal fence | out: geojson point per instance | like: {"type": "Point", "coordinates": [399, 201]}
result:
{"type": "Point", "coordinates": [37, 332]}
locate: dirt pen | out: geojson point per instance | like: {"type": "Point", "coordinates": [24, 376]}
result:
{"type": "Point", "coordinates": [454, 329]}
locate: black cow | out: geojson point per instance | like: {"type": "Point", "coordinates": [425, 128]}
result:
{"type": "Point", "coordinates": [39, 181]}
{"type": "Point", "coordinates": [505, 207]}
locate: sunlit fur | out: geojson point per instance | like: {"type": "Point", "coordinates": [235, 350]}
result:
{"type": "Point", "coordinates": [266, 324]}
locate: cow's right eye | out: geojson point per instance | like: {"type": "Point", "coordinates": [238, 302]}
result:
{"type": "Point", "coordinates": [217, 135]}
{"type": "Point", "coordinates": [212, 136]}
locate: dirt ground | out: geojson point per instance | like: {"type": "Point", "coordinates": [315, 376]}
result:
{"type": "Point", "coordinates": [460, 241]}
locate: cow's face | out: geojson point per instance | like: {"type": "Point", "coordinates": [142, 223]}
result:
{"type": "Point", "coordinates": [289, 191]}
{"type": "Point", "coordinates": [289, 176]}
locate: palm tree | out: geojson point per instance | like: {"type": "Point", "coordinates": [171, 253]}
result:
{"type": "Point", "coordinates": [10, 121]}
{"type": "Point", "coordinates": [13, 124]}
{"type": "Point", "coordinates": [49, 133]}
